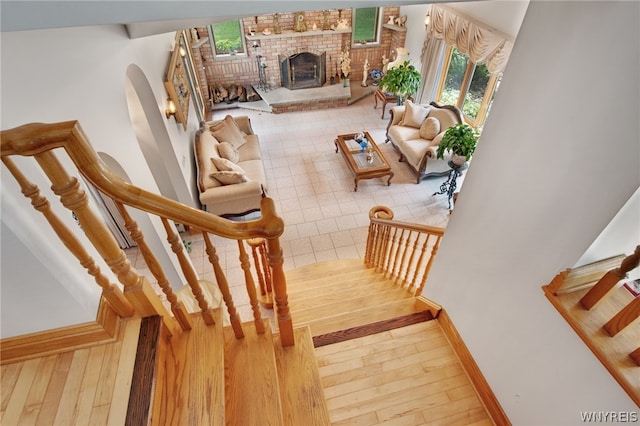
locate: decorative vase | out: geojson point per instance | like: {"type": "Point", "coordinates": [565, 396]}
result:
{"type": "Point", "coordinates": [458, 160]}
{"type": "Point", "coordinates": [363, 145]}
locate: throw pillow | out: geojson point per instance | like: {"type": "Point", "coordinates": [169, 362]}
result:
{"type": "Point", "coordinates": [414, 114]}
{"type": "Point", "coordinates": [226, 150]}
{"type": "Point", "coordinates": [430, 128]}
{"type": "Point", "coordinates": [224, 165]}
{"type": "Point", "coordinates": [230, 178]}
{"type": "Point", "coordinates": [228, 131]}
{"type": "Point", "coordinates": [437, 139]}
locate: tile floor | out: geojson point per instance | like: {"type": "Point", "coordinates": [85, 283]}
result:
{"type": "Point", "coordinates": [313, 191]}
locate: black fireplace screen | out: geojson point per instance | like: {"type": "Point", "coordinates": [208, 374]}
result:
{"type": "Point", "coordinates": [303, 70]}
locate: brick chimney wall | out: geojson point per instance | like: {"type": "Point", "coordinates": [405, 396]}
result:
{"type": "Point", "coordinates": [243, 69]}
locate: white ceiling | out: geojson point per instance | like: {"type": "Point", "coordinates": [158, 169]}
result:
{"type": "Point", "coordinates": [148, 17]}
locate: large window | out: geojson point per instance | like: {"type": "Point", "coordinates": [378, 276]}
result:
{"type": "Point", "coordinates": [226, 38]}
{"type": "Point", "coordinates": [366, 25]}
{"type": "Point", "coordinates": [468, 86]}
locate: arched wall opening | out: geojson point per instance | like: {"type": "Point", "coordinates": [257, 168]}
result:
{"type": "Point", "coordinates": [149, 126]}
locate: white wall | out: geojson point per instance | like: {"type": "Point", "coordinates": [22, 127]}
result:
{"type": "Point", "coordinates": [80, 74]}
{"type": "Point", "coordinates": [558, 158]}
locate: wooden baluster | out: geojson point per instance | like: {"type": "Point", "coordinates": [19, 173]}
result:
{"type": "Point", "coordinates": [189, 272]}
{"type": "Point", "coordinates": [110, 291]}
{"type": "Point", "coordinates": [262, 270]}
{"type": "Point", "coordinates": [223, 285]}
{"type": "Point", "coordinates": [177, 307]}
{"type": "Point", "coordinates": [381, 234]}
{"type": "Point", "coordinates": [251, 287]}
{"type": "Point", "coordinates": [398, 246]}
{"type": "Point", "coordinates": [370, 241]}
{"type": "Point", "coordinates": [414, 249]}
{"type": "Point", "coordinates": [382, 242]}
{"type": "Point", "coordinates": [276, 260]}
{"type": "Point", "coordinates": [610, 279]}
{"type": "Point", "coordinates": [375, 246]}
{"type": "Point", "coordinates": [403, 260]}
{"type": "Point", "coordinates": [136, 287]}
{"type": "Point", "coordinates": [387, 250]}
{"type": "Point", "coordinates": [626, 316]}
{"type": "Point", "coordinates": [267, 270]}
{"type": "Point", "coordinates": [423, 251]}
{"type": "Point", "coordinates": [635, 356]}
{"type": "Point", "coordinates": [434, 250]}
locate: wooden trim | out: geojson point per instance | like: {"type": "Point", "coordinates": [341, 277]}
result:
{"type": "Point", "coordinates": [424, 304]}
{"type": "Point", "coordinates": [108, 318]}
{"type": "Point", "coordinates": [50, 342]}
{"type": "Point", "coordinates": [144, 372]}
{"type": "Point", "coordinates": [486, 395]}
{"type": "Point", "coordinates": [369, 329]}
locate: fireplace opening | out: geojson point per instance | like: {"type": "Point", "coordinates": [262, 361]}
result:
{"type": "Point", "coordinates": [303, 70]}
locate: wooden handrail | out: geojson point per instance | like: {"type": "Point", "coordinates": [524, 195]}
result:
{"type": "Point", "coordinates": [41, 140]}
{"type": "Point", "coordinates": [400, 249]}
{"type": "Point", "coordinates": [36, 138]}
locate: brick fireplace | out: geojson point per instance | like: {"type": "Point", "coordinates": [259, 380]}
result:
{"type": "Point", "coordinates": [243, 69]}
{"type": "Point", "coordinates": [303, 70]}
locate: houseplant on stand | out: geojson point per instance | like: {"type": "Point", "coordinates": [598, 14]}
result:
{"type": "Point", "coordinates": [460, 140]}
{"type": "Point", "coordinates": [403, 81]}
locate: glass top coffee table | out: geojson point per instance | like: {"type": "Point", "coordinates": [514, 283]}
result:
{"type": "Point", "coordinates": [366, 164]}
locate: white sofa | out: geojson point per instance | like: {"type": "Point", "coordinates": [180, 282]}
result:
{"type": "Point", "coordinates": [230, 172]}
{"type": "Point", "coordinates": [415, 130]}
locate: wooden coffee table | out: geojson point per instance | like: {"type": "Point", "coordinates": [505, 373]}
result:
{"type": "Point", "coordinates": [363, 168]}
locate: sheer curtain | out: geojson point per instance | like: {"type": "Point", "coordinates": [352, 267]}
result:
{"type": "Point", "coordinates": [483, 46]}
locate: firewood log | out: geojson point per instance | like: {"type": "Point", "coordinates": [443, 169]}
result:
{"type": "Point", "coordinates": [252, 95]}
{"type": "Point", "coordinates": [233, 93]}
{"type": "Point", "coordinates": [242, 94]}
{"type": "Point", "coordinates": [223, 93]}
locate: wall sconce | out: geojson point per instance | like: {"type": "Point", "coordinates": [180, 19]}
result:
{"type": "Point", "coordinates": [183, 51]}
{"type": "Point", "coordinates": [427, 19]}
{"type": "Point", "coordinates": [171, 109]}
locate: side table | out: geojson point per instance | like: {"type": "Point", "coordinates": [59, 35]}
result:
{"type": "Point", "coordinates": [449, 186]}
{"type": "Point", "coordinates": [385, 98]}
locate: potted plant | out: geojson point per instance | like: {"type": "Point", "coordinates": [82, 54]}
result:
{"type": "Point", "coordinates": [460, 140]}
{"type": "Point", "coordinates": [403, 81]}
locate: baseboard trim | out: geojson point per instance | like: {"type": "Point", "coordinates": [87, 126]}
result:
{"type": "Point", "coordinates": [372, 328]}
{"type": "Point", "coordinates": [486, 395]}
{"type": "Point", "coordinates": [50, 342]}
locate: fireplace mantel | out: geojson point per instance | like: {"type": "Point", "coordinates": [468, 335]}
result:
{"type": "Point", "coordinates": [292, 34]}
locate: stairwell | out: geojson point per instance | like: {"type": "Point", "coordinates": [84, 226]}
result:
{"type": "Point", "coordinates": [378, 356]}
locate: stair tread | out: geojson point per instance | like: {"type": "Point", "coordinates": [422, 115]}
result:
{"type": "Point", "coordinates": [192, 389]}
{"type": "Point", "coordinates": [251, 378]}
{"type": "Point", "coordinates": [372, 299]}
{"type": "Point", "coordinates": [361, 316]}
{"type": "Point", "coordinates": [326, 279]}
{"type": "Point", "coordinates": [301, 393]}
{"type": "Point", "coordinates": [328, 268]}
{"type": "Point", "coordinates": [337, 293]}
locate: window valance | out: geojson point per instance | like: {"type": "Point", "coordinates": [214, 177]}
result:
{"type": "Point", "coordinates": [482, 45]}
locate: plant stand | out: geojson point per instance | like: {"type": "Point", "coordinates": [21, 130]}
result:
{"type": "Point", "coordinates": [449, 186]}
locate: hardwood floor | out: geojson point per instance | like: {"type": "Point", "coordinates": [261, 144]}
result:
{"type": "Point", "coordinates": [407, 376]}
{"type": "Point", "coordinates": [85, 386]}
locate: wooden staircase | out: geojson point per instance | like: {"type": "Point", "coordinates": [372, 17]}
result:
{"type": "Point", "coordinates": [379, 356]}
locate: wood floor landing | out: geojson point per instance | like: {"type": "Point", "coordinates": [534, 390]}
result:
{"type": "Point", "coordinates": [83, 386]}
{"type": "Point", "coordinates": [406, 376]}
